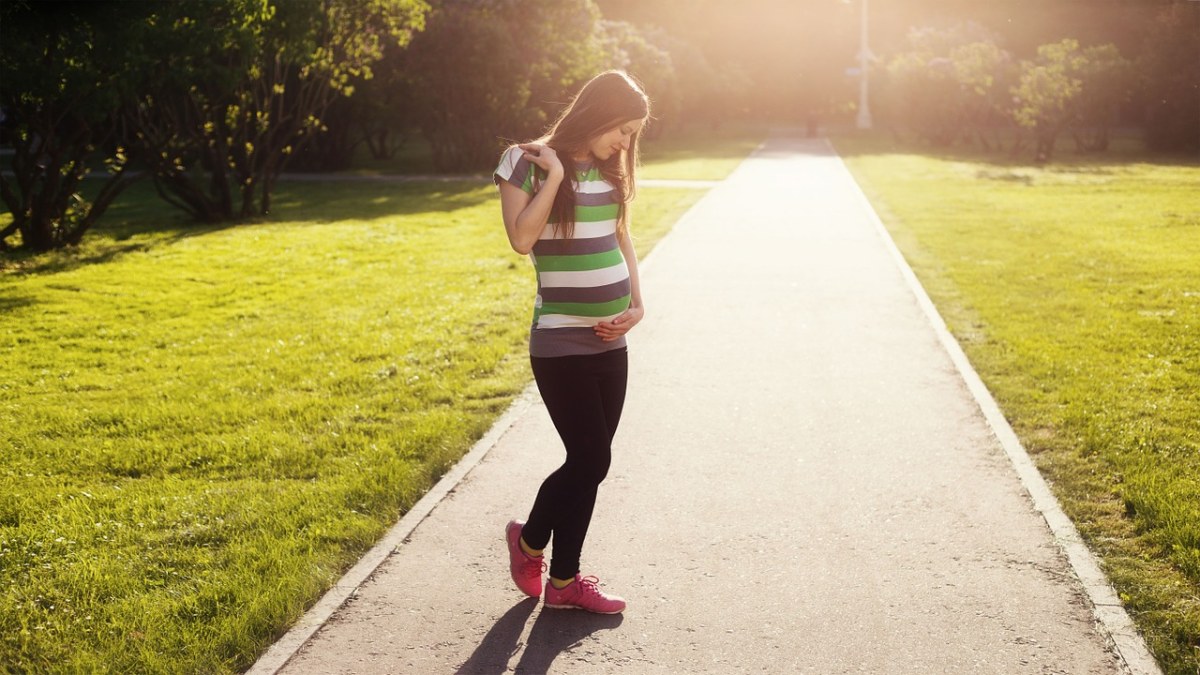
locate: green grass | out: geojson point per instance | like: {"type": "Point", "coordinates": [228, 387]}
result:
{"type": "Point", "coordinates": [1075, 290]}
{"type": "Point", "coordinates": [699, 153]}
{"type": "Point", "coordinates": [204, 426]}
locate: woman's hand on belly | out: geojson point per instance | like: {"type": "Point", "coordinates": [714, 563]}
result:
{"type": "Point", "coordinates": [611, 330]}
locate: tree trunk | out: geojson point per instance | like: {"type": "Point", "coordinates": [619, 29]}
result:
{"type": "Point", "coordinates": [7, 232]}
{"type": "Point", "coordinates": [113, 187]}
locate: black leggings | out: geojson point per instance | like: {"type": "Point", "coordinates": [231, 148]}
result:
{"type": "Point", "coordinates": [584, 396]}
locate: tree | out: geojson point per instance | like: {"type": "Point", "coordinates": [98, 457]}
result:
{"type": "Point", "coordinates": [384, 113]}
{"type": "Point", "coordinates": [947, 83]}
{"type": "Point", "coordinates": [638, 53]}
{"type": "Point", "coordinates": [243, 84]}
{"type": "Point", "coordinates": [984, 73]}
{"type": "Point", "coordinates": [471, 84]}
{"type": "Point", "coordinates": [65, 74]}
{"type": "Point", "coordinates": [559, 46]}
{"type": "Point", "coordinates": [486, 70]}
{"type": "Point", "coordinates": [1047, 92]}
{"type": "Point", "coordinates": [1170, 73]}
{"type": "Point", "coordinates": [696, 86]}
{"type": "Point", "coordinates": [332, 147]}
{"type": "Point", "coordinates": [1069, 87]}
{"type": "Point", "coordinates": [1107, 80]}
{"type": "Point", "coordinates": [919, 95]}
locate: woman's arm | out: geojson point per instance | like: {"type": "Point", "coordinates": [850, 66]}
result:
{"type": "Point", "coordinates": [611, 330]}
{"type": "Point", "coordinates": [525, 215]}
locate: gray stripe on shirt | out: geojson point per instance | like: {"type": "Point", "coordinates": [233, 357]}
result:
{"type": "Point", "coordinates": [604, 293]}
{"type": "Point", "coordinates": [575, 246]}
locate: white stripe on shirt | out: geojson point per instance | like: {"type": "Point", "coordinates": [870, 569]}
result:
{"type": "Point", "coordinates": [571, 321]}
{"type": "Point", "coordinates": [601, 277]}
{"type": "Point", "coordinates": [598, 228]}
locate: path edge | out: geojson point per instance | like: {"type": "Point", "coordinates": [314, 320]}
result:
{"type": "Point", "coordinates": [287, 646]}
{"type": "Point", "coordinates": [1110, 615]}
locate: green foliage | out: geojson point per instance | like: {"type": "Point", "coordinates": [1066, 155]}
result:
{"type": "Point", "coordinates": [486, 71]}
{"type": "Point", "coordinates": [1072, 289]}
{"type": "Point", "coordinates": [381, 115]}
{"type": "Point", "coordinates": [1047, 91]}
{"type": "Point", "coordinates": [948, 83]}
{"type": "Point", "coordinates": [1108, 80]}
{"type": "Point", "coordinates": [557, 41]}
{"type": "Point", "coordinates": [471, 84]}
{"type": "Point", "coordinates": [918, 96]}
{"type": "Point", "coordinates": [243, 84]}
{"type": "Point", "coordinates": [933, 41]}
{"type": "Point", "coordinates": [984, 73]}
{"type": "Point", "coordinates": [1071, 87]}
{"type": "Point", "coordinates": [66, 70]}
{"type": "Point", "coordinates": [637, 53]}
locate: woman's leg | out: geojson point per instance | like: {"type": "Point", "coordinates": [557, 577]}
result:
{"type": "Point", "coordinates": [584, 396]}
{"type": "Point", "coordinates": [610, 372]}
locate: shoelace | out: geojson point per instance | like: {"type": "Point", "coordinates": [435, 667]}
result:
{"type": "Point", "coordinates": [533, 567]}
{"type": "Point", "coordinates": [588, 585]}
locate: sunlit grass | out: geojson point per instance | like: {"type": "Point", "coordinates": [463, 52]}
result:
{"type": "Point", "coordinates": [1075, 290]}
{"type": "Point", "coordinates": [699, 153]}
{"type": "Point", "coordinates": [203, 426]}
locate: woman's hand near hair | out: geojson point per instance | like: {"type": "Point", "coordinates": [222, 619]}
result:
{"type": "Point", "coordinates": [543, 156]}
{"type": "Point", "coordinates": [525, 215]}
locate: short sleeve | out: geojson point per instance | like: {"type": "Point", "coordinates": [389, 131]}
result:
{"type": "Point", "coordinates": [515, 168]}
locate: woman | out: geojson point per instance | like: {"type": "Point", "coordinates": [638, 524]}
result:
{"type": "Point", "coordinates": [565, 200]}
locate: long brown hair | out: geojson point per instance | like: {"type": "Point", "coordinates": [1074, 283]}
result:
{"type": "Point", "coordinates": [607, 100]}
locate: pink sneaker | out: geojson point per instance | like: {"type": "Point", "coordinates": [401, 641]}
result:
{"type": "Point", "coordinates": [583, 594]}
{"type": "Point", "coordinates": [526, 569]}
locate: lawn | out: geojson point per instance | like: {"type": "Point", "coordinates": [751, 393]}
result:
{"type": "Point", "coordinates": [204, 426]}
{"type": "Point", "coordinates": [1074, 289]}
{"type": "Point", "coordinates": [700, 153]}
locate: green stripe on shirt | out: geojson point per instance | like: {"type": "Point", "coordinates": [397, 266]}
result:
{"type": "Point", "coordinates": [579, 263]}
{"type": "Point", "coordinates": [594, 214]}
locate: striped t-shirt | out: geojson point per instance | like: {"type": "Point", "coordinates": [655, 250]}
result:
{"type": "Point", "coordinates": [581, 281]}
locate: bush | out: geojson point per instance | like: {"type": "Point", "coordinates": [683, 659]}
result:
{"type": "Point", "coordinates": [948, 84]}
{"type": "Point", "coordinates": [1068, 87]}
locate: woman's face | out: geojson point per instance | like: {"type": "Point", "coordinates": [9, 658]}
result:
{"type": "Point", "coordinates": [614, 140]}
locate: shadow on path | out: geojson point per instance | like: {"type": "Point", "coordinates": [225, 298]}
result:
{"type": "Point", "coordinates": [556, 631]}
{"type": "Point", "coordinates": [553, 632]}
{"type": "Point", "coordinates": [500, 643]}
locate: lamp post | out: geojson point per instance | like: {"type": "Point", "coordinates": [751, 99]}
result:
{"type": "Point", "coordinates": [864, 59]}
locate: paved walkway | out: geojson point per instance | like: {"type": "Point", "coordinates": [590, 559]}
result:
{"type": "Point", "coordinates": [802, 483]}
